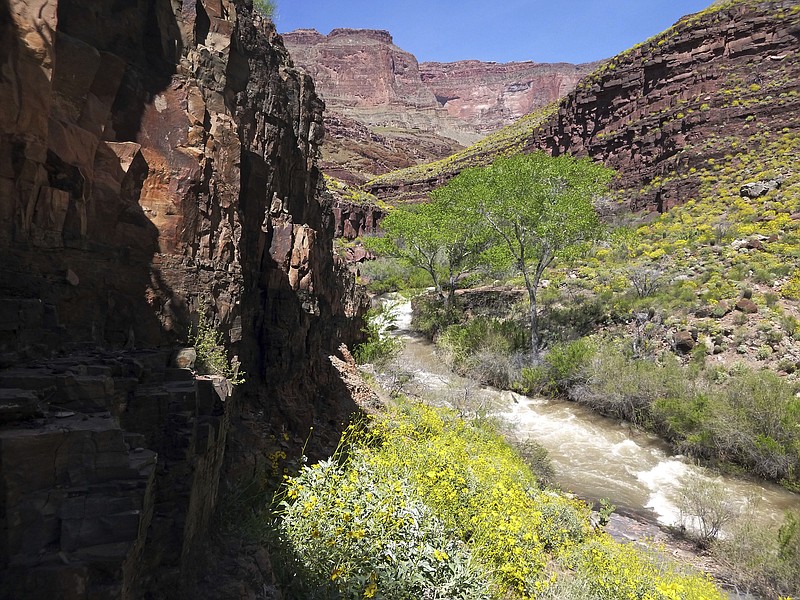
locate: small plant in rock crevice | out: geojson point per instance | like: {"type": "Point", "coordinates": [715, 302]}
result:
{"type": "Point", "coordinates": [212, 358]}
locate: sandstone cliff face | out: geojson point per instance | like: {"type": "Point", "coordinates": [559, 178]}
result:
{"type": "Point", "coordinates": [713, 85]}
{"type": "Point", "coordinates": [361, 72]}
{"type": "Point", "coordinates": [491, 95]}
{"type": "Point", "coordinates": [413, 112]}
{"type": "Point", "coordinates": [157, 161]}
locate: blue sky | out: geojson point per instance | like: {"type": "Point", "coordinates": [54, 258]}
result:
{"type": "Point", "coordinates": [501, 30]}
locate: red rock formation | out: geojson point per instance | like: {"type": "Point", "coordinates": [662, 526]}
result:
{"type": "Point", "coordinates": [652, 111]}
{"type": "Point", "coordinates": [386, 111]}
{"type": "Point", "coordinates": [361, 73]}
{"type": "Point", "coordinates": [491, 95]}
{"type": "Point", "coordinates": [157, 161]}
{"type": "Point", "coordinates": [352, 152]}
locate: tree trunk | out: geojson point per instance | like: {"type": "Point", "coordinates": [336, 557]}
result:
{"type": "Point", "coordinates": [534, 325]}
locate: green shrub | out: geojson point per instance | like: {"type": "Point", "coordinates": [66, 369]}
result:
{"type": "Point", "coordinates": [567, 361]}
{"type": "Point", "coordinates": [704, 509]}
{"type": "Point", "coordinates": [488, 348]}
{"type": "Point", "coordinates": [538, 460]}
{"type": "Point", "coordinates": [430, 315]}
{"type": "Point", "coordinates": [390, 275]}
{"type": "Point", "coordinates": [762, 560]}
{"type": "Point", "coordinates": [749, 418]}
{"type": "Point", "coordinates": [265, 8]}
{"type": "Point", "coordinates": [212, 358]}
{"type": "Point", "coordinates": [533, 380]}
{"type": "Point", "coordinates": [380, 347]}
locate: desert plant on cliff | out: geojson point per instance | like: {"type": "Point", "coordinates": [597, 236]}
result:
{"type": "Point", "coordinates": [537, 208]}
{"type": "Point", "coordinates": [265, 8]}
{"type": "Point", "coordinates": [212, 357]}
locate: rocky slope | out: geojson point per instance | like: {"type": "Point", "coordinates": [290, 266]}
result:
{"type": "Point", "coordinates": [714, 84]}
{"type": "Point", "coordinates": [157, 162]}
{"type": "Point", "coordinates": [385, 109]}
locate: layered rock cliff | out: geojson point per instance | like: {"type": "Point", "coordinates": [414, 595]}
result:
{"type": "Point", "coordinates": [715, 84]}
{"type": "Point", "coordinates": [362, 74]}
{"type": "Point", "coordinates": [413, 112]}
{"type": "Point", "coordinates": [492, 95]}
{"type": "Point", "coordinates": [157, 163]}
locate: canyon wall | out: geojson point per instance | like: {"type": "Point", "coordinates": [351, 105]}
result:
{"type": "Point", "coordinates": [157, 163]}
{"type": "Point", "coordinates": [707, 88]}
{"type": "Point", "coordinates": [712, 85]}
{"type": "Point", "coordinates": [386, 111]}
{"type": "Point", "coordinates": [362, 74]}
{"type": "Point", "coordinates": [492, 95]}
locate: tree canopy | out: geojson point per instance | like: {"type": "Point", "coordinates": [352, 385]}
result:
{"type": "Point", "coordinates": [438, 237]}
{"type": "Point", "coordinates": [521, 212]}
{"type": "Point", "coordinates": [537, 208]}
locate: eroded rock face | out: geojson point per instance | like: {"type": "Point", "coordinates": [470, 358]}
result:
{"type": "Point", "coordinates": [653, 111]}
{"type": "Point", "coordinates": [491, 95]}
{"type": "Point", "coordinates": [362, 72]}
{"type": "Point", "coordinates": [417, 112]}
{"type": "Point", "coordinates": [157, 161]}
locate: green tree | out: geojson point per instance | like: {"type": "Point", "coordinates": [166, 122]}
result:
{"type": "Point", "coordinates": [437, 237]}
{"type": "Point", "coordinates": [538, 208]}
{"type": "Point", "coordinates": [265, 8]}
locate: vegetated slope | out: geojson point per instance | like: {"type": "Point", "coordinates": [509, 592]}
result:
{"type": "Point", "coordinates": [414, 183]}
{"type": "Point", "coordinates": [385, 111]}
{"type": "Point", "coordinates": [650, 111]}
{"type": "Point", "coordinates": [424, 504]}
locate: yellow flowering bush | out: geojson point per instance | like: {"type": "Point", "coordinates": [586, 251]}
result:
{"type": "Point", "coordinates": [424, 504]}
{"type": "Point", "coordinates": [357, 531]}
{"type": "Point", "coordinates": [791, 289]}
{"type": "Point", "coordinates": [608, 571]}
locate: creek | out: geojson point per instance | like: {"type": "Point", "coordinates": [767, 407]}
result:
{"type": "Point", "coordinates": [594, 457]}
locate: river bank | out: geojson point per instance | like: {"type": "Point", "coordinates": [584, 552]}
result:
{"type": "Point", "coordinates": [594, 457]}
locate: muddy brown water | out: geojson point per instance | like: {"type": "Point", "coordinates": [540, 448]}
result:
{"type": "Point", "coordinates": [594, 457]}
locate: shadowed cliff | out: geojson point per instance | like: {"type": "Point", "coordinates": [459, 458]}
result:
{"type": "Point", "coordinates": [157, 162]}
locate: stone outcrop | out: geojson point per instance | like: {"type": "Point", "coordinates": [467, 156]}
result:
{"type": "Point", "coordinates": [361, 74]}
{"type": "Point", "coordinates": [157, 162]}
{"type": "Point", "coordinates": [661, 110]}
{"type": "Point", "coordinates": [353, 152]}
{"type": "Point", "coordinates": [491, 95]}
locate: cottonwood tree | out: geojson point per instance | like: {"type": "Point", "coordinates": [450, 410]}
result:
{"type": "Point", "coordinates": [436, 237]}
{"type": "Point", "coordinates": [537, 208]}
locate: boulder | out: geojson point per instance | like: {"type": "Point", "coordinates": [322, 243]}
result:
{"type": "Point", "coordinates": [757, 189]}
{"type": "Point", "coordinates": [185, 358]}
{"type": "Point", "coordinates": [721, 309]}
{"type": "Point", "coordinates": [683, 341]}
{"type": "Point", "coordinates": [747, 306]}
